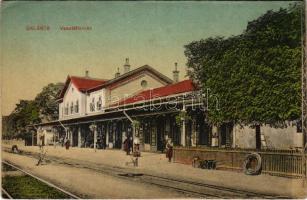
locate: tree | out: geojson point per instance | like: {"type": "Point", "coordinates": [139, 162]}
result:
{"type": "Point", "coordinates": [5, 128]}
{"type": "Point", "coordinates": [27, 112]}
{"type": "Point", "coordinates": [46, 101]}
{"type": "Point", "coordinates": [256, 75]}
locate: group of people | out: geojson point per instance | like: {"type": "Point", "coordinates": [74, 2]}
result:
{"type": "Point", "coordinates": [100, 143]}
{"type": "Point", "coordinates": [128, 147]}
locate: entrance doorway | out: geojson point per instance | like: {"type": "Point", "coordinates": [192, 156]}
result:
{"type": "Point", "coordinates": [118, 135]}
{"type": "Point", "coordinates": [74, 137]}
{"type": "Point", "coordinates": [223, 136]}
{"type": "Point", "coordinates": [226, 135]}
{"type": "Point", "coordinates": [175, 133]}
{"type": "Point", "coordinates": [101, 136]}
{"type": "Point", "coordinates": [160, 134]}
{"type": "Point", "coordinates": [188, 137]}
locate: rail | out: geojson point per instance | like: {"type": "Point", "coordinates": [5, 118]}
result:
{"type": "Point", "coordinates": [191, 188]}
{"type": "Point", "coordinates": [6, 193]}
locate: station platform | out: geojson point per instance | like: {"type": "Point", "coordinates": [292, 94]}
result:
{"type": "Point", "coordinates": [157, 163]}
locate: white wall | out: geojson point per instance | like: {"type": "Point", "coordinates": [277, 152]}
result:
{"type": "Point", "coordinates": [244, 137]}
{"type": "Point", "coordinates": [48, 136]}
{"type": "Point", "coordinates": [95, 95]}
{"type": "Point", "coordinates": [61, 110]}
{"type": "Point", "coordinates": [83, 104]}
{"type": "Point", "coordinates": [132, 87]}
{"type": "Point", "coordinates": [72, 95]}
{"type": "Point", "coordinates": [122, 90]}
{"type": "Point", "coordinates": [283, 138]}
{"type": "Point", "coordinates": [278, 138]}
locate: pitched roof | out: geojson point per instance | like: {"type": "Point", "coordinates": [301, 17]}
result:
{"type": "Point", "coordinates": [177, 88]}
{"type": "Point", "coordinates": [81, 83]}
{"type": "Point", "coordinates": [131, 74]}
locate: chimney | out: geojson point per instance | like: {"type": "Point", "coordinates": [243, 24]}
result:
{"type": "Point", "coordinates": [127, 66]}
{"type": "Point", "coordinates": [87, 74]}
{"type": "Point", "coordinates": [175, 74]}
{"type": "Point", "coordinates": [117, 74]}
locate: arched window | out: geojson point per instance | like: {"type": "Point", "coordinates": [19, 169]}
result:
{"type": "Point", "coordinates": [92, 105]}
{"type": "Point", "coordinates": [77, 107]}
{"type": "Point", "coordinates": [66, 109]}
{"type": "Point", "coordinates": [99, 103]}
{"type": "Point", "coordinates": [72, 108]}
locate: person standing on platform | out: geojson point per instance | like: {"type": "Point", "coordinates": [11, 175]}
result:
{"type": "Point", "coordinates": [67, 144]}
{"type": "Point", "coordinates": [130, 144]}
{"type": "Point", "coordinates": [126, 145]}
{"type": "Point", "coordinates": [169, 149]}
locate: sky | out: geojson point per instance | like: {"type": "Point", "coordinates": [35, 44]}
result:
{"type": "Point", "coordinates": [152, 33]}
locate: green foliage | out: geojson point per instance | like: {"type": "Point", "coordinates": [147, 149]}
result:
{"type": "Point", "coordinates": [26, 187]}
{"type": "Point", "coordinates": [136, 124]}
{"type": "Point", "coordinates": [27, 112]}
{"type": "Point", "coordinates": [182, 115]}
{"type": "Point", "coordinates": [255, 75]}
{"type": "Point", "coordinates": [46, 101]}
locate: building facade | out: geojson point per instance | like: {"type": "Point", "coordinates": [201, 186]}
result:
{"type": "Point", "coordinates": [145, 104]}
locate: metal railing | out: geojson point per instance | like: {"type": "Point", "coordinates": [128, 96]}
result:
{"type": "Point", "coordinates": [275, 162]}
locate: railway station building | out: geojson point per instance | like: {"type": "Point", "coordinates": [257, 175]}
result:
{"type": "Point", "coordinates": [146, 104]}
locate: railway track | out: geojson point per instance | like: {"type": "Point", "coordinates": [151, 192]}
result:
{"type": "Point", "coordinates": [188, 188]}
{"type": "Point", "coordinates": [6, 193]}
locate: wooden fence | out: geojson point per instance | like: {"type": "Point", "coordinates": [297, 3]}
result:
{"type": "Point", "coordinates": [275, 162]}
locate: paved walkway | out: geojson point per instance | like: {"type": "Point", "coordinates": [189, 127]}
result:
{"type": "Point", "coordinates": [157, 164]}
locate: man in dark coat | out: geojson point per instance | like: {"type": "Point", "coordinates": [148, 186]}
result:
{"type": "Point", "coordinates": [67, 144]}
{"type": "Point", "coordinates": [126, 146]}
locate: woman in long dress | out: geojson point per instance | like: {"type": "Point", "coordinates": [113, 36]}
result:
{"type": "Point", "coordinates": [169, 149]}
